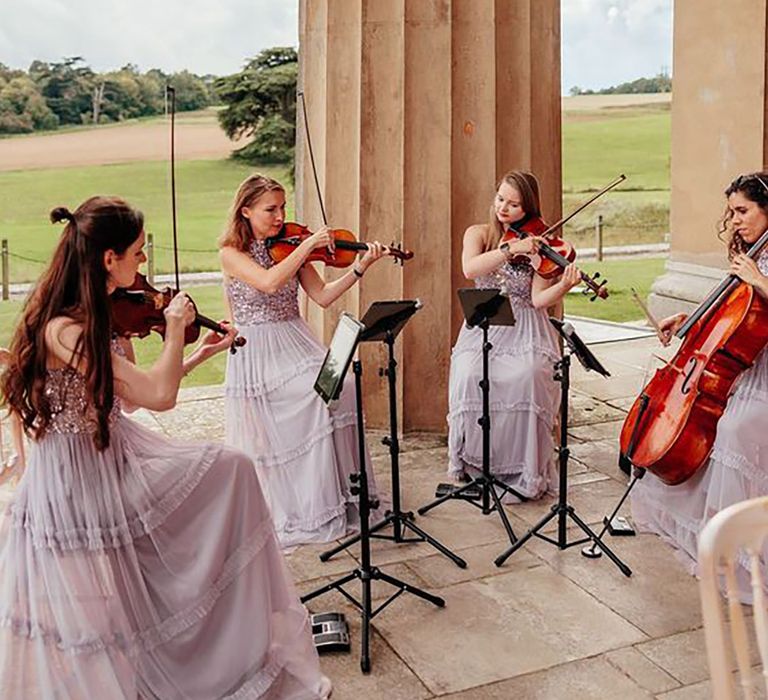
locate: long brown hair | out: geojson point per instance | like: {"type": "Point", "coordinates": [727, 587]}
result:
{"type": "Point", "coordinates": [73, 285]}
{"type": "Point", "coordinates": [528, 186]}
{"type": "Point", "coordinates": [238, 232]}
{"type": "Point", "coordinates": [754, 186]}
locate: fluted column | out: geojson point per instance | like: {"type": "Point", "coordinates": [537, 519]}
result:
{"type": "Point", "coordinates": [718, 132]}
{"type": "Point", "coordinates": [416, 108]}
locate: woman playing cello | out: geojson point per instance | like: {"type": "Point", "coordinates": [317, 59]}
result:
{"type": "Point", "coordinates": [738, 464]}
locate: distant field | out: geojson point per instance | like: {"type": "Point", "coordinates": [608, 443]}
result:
{"type": "Point", "coordinates": [603, 135]}
{"type": "Point", "coordinates": [204, 192]}
{"type": "Point", "coordinates": [198, 135]}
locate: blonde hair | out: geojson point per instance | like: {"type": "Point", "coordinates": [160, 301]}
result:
{"type": "Point", "coordinates": [237, 233]}
{"type": "Point", "coordinates": [528, 186]}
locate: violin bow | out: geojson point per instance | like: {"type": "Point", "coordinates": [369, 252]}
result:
{"type": "Point", "coordinates": [170, 93]}
{"type": "Point", "coordinates": [300, 95]}
{"type": "Point", "coordinates": [583, 205]}
{"type": "Point", "coordinates": [646, 311]}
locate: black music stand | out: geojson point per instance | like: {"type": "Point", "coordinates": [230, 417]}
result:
{"type": "Point", "coordinates": [562, 509]}
{"type": "Point", "coordinates": [483, 308]}
{"type": "Point", "coordinates": [383, 321]}
{"type": "Point", "coordinates": [328, 385]}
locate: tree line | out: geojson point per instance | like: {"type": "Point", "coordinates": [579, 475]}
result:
{"type": "Point", "coordinates": [258, 103]}
{"type": "Point", "coordinates": [659, 83]}
{"type": "Point", "coordinates": [53, 94]}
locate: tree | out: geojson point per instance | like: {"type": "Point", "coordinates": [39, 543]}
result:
{"type": "Point", "coordinates": [67, 88]}
{"type": "Point", "coordinates": [22, 107]}
{"type": "Point", "coordinates": [260, 102]}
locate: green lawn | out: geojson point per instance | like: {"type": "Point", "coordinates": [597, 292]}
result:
{"type": "Point", "coordinates": [204, 194]}
{"type": "Point", "coordinates": [621, 275]}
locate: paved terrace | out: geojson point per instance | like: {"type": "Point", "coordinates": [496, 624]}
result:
{"type": "Point", "coordinates": [547, 624]}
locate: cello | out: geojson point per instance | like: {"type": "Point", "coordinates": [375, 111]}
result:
{"type": "Point", "coordinates": [670, 428]}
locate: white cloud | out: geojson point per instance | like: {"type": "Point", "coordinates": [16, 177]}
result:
{"type": "Point", "coordinates": [205, 36]}
{"type": "Point", "coordinates": [605, 42]}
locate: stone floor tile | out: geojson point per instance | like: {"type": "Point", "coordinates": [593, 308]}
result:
{"type": "Point", "coordinates": [683, 656]}
{"type": "Point", "coordinates": [613, 387]}
{"type": "Point", "coordinates": [584, 410]}
{"type": "Point", "coordinates": [389, 678]}
{"type": "Point", "coordinates": [439, 571]}
{"type": "Point", "coordinates": [641, 670]}
{"type": "Point", "coordinates": [660, 598]}
{"type": "Point", "coordinates": [601, 455]}
{"type": "Point", "coordinates": [535, 616]}
{"type": "Point", "coordinates": [304, 562]}
{"type": "Point", "coordinates": [590, 679]}
{"type": "Point", "coordinates": [695, 691]}
{"type": "Point", "coordinates": [591, 503]}
{"type": "Point", "coordinates": [608, 430]}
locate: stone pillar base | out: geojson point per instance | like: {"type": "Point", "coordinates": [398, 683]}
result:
{"type": "Point", "coordinates": [682, 288]}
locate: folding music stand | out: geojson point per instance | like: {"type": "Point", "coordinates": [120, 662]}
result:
{"type": "Point", "coordinates": [484, 308]}
{"type": "Point", "coordinates": [328, 385]}
{"type": "Point", "coordinates": [383, 321]}
{"type": "Point", "coordinates": [562, 509]}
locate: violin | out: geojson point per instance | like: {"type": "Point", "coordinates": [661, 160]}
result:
{"type": "Point", "coordinates": [138, 310]}
{"type": "Point", "coordinates": [553, 256]}
{"type": "Point", "coordinates": [346, 246]}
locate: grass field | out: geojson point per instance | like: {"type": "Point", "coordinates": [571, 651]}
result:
{"type": "Point", "coordinates": [204, 192]}
{"type": "Point", "coordinates": [621, 275]}
{"type": "Point", "coordinates": [598, 144]}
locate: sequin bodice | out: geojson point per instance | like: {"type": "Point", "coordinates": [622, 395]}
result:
{"type": "Point", "coordinates": [251, 306]}
{"type": "Point", "coordinates": [66, 394]}
{"type": "Point", "coordinates": [513, 280]}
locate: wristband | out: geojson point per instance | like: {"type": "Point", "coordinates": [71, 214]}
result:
{"type": "Point", "coordinates": [358, 273]}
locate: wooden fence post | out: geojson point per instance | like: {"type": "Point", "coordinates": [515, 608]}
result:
{"type": "Point", "coordinates": [5, 273]}
{"type": "Point", "coordinates": [599, 237]}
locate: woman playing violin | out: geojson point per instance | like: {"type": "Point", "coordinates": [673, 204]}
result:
{"type": "Point", "coordinates": [738, 465]}
{"type": "Point", "coordinates": [524, 396]}
{"type": "Point", "coordinates": [304, 451]}
{"type": "Point", "coordinates": [129, 560]}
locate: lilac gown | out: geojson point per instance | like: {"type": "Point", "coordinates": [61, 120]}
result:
{"type": "Point", "coordinates": [737, 470]}
{"type": "Point", "coordinates": [304, 450]}
{"type": "Point", "coordinates": [524, 397]}
{"type": "Point", "coordinates": [148, 570]}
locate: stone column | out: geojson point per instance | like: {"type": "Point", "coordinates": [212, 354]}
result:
{"type": "Point", "coordinates": [416, 108]}
{"type": "Point", "coordinates": [718, 132]}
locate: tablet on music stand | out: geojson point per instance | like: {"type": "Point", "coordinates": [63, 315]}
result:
{"type": "Point", "coordinates": [489, 305]}
{"type": "Point", "coordinates": [578, 347]}
{"type": "Point", "coordinates": [343, 344]}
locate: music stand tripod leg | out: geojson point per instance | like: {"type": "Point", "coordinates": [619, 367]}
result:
{"type": "Point", "coordinates": [365, 572]}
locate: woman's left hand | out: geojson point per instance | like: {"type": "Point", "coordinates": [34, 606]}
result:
{"type": "Point", "coordinates": [212, 343]}
{"type": "Point", "coordinates": [571, 277]}
{"type": "Point", "coordinates": [746, 269]}
{"type": "Point", "coordinates": [375, 251]}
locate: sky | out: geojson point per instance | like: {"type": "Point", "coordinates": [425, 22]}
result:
{"type": "Point", "coordinates": [604, 42]}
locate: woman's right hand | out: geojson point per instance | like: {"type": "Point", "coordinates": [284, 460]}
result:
{"type": "Point", "coordinates": [322, 238]}
{"type": "Point", "coordinates": [669, 326]}
{"type": "Point", "coordinates": [180, 311]}
{"type": "Point", "coordinates": [525, 246]}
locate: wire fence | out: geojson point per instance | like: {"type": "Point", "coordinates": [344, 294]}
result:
{"type": "Point", "coordinates": [593, 235]}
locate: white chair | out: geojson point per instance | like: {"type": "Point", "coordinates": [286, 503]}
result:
{"type": "Point", "coordinates": [734, 533]}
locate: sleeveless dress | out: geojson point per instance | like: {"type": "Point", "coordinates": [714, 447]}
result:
{"type": "Point", "coordinates": [524, 397]}
{"type": "Point", "coordinates": [147, 570]}
{"type": "Point", "coordinates": [304, 450]}
{"type": "Point", "coordinates": [737, 471]}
